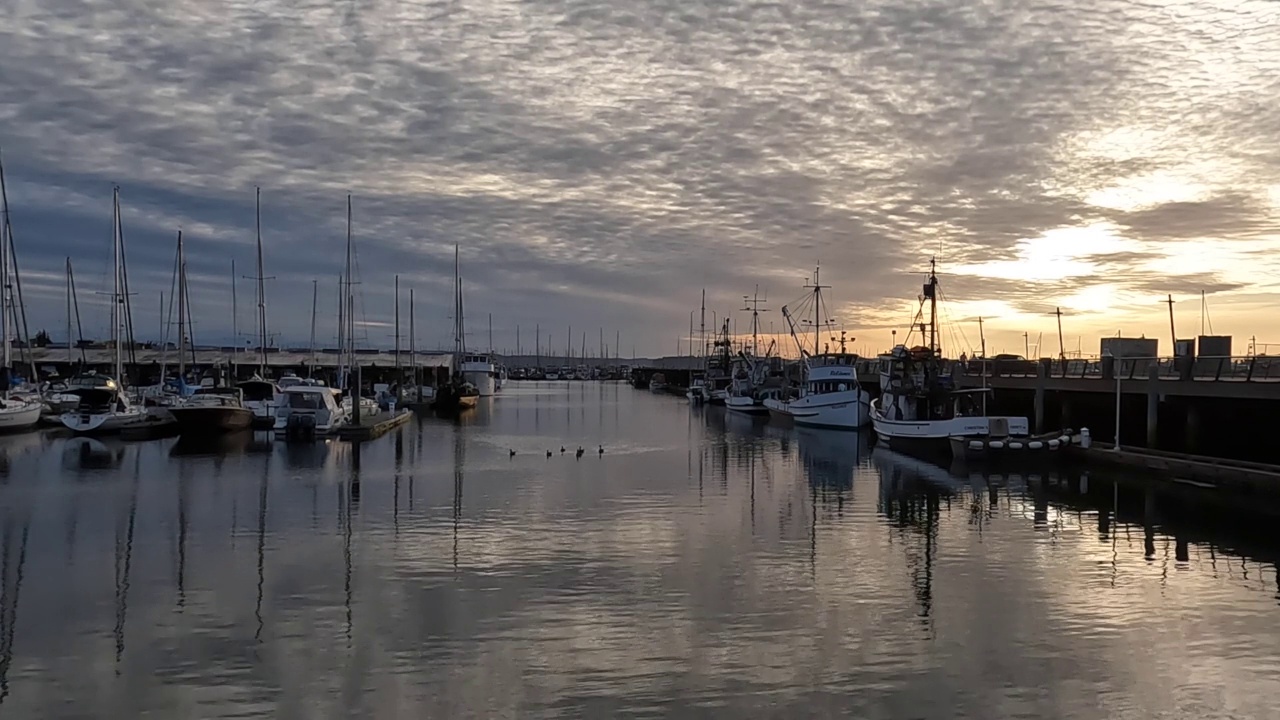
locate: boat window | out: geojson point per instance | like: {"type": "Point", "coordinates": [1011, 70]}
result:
{"type": "Point", "coordinates": [305, 401]}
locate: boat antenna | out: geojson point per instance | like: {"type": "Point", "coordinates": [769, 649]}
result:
{"type": "Point", "coordinates": [1173, 333]}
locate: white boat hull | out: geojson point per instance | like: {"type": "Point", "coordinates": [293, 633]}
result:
{"type": "Point", "coordinates": [482, 380]}
{"type": "Point", "coordinates": [935, 435]}
{"type": "Point", "coordinates": [19, 415]}
{"type": "Point", "coordinates": [103, 422]}
{"type": "Point", "coordinates": [745, 405]}
{"type": "Point", "coordinates": [847, 410]}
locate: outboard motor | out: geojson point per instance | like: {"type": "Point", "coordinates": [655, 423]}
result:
{"type": "Point", "coordinates": [301, 427]}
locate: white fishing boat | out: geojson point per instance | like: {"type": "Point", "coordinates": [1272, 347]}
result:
{"type": "Point", "coordinates": [306, 412]}
{"type": "Point", "coordinates": [479, 370]}
{"type": "Point", "coordinates": [829, 394]}
{"type": "Point", "coordinates": [551, 375]}
{"type": "Point", "coordinates": [919, 410]}
{"type": "Point", "coordinates": [742, 396]}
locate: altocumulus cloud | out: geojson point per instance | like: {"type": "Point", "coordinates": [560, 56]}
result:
{"type": "Point", "coordinates": [599, 162]}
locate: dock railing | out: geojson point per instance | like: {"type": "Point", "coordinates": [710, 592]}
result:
{"type": "Point", "coordinates": [1255, 368]}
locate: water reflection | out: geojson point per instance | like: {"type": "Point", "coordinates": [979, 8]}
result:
{"type": "Point", "coordinates": [700, 563]}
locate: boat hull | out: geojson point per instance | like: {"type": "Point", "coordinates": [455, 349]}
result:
{"type": "Point", "coordinates": [17, 415]}
{"type": "Point", "coordinates": [264, 413]}
{"type": "Point", "coordinates": [745, 406]}
{"type": "Point", "coordinates": [195, 420]}
{"type": "Point", "coordinates": [102, 423]}
{"type": "Point", "coordinates": [482, 380]}
{"type": "Point", "coordinates": [842, 410]}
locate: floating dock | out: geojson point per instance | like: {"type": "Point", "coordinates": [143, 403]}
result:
{"type": "Point", "coordinates": [1207, 472]}
{"type": "Point", "coordinates": [373, 427]}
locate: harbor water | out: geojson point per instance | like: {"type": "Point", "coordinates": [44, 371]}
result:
{"type": "Point", "coordinates": [703, 565]}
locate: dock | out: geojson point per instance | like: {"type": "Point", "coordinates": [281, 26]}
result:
{"type": "Point", "coordinates": [370, 428]}
{"type": "Point", "coordinates": [1213, 473]}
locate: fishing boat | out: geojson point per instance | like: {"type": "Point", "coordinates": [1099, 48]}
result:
{"type": "Point", "coordinates": [307, 412]}
{"type": "Point", "coordinates": [479, 370]}
{"type": "Point", "coordinates": [919, 409]}
{"type": "Point", "coordinates": [551, 374]}
{"type": "Point", "coordinates": [658, 383]}
{"type": "Point", "coordinates": [17, 412]}
{"type": "Point", "coordinates": [828, 394]}
{"type": "Point", "coordinates": [212, 410]}
{"type": "Point", "coordinates": [742, 395]}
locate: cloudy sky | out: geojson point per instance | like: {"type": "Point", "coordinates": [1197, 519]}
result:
{"type": "Point", "coordinates": [600, 162]}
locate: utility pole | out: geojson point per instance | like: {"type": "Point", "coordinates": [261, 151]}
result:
{"type": "Point", "coordinates": [1062, 352]}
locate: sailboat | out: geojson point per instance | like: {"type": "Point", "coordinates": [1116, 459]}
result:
{"type": "Point", "coordinates": [458, 394]}
{"type": "Point", "coordinates": [347, 378]}
{"type": "Point", "coordinates": [258, 393]}
{"type": "Point", "coordinates": [919, 409]}
{"type": "Point", "coordinates": [210, 410]}
{"type": "Point", "coordinates": [102, 405]}
{"type": "Point", "coordinates": [829, 395]}
{"type": "Point", "coordinates": [16, 413]}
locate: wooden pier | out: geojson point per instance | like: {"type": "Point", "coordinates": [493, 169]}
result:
{"type": "Point", "coordinates": [370, 428]}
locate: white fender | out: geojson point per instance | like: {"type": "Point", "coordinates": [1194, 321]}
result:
{"type": "Point", "coordinates": [975, 444]}
{"type": "Point", "coordinates": [1015, 446]}
{"type": "Point", "coordinates": [1053, 444]}
{"type": "Point", "coordinates": [997, 444]}
{"type": "Point", "coordinates": [1035, 445]}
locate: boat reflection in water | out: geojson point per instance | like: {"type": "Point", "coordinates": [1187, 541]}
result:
{"type": "Point", "coordinates": [830, 457]}
{"type": "Point", "coordinates": [86, 453]}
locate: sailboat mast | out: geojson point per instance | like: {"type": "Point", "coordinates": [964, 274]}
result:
{"type": "Point", "coordinates": [116, 303]}
{"type": "Point", "coordinates": [933, 305]}
{"type": "Point", "coordinates": [235, 325]}
{"type": "Point", "coordinates": [399, 373]}
{"type": "Point", "coordinates": [262, 292]}
{"type": "Point", "coordinates": [413, 347]}
{"type": "Point", "coordinates": [490, 334]}
{"type": "Point", "coordinates": [315, 296]}
{"type": "Point", "coordinates": [75, 304]}
{"type": "Point", "coordinates": [4, 295]}
{"type": "Point", "coordinates": [182, 312]}
{"type": "Point", "coordinates": [70, 344]}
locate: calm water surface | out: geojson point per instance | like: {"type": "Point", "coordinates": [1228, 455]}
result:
{"type": "Point", "coordinates": [703, 566]}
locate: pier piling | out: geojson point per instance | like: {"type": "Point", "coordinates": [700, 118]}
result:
{"type": "Point", "coordinates": [1042, 374]}
{"type": "Point", "coordinates": [1153, 405]}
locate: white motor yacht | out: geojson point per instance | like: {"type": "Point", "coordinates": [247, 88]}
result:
{"type": "Point", "coordinates": [309, 411]}
{"type": "Point", "coordinates": [101, 406]}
